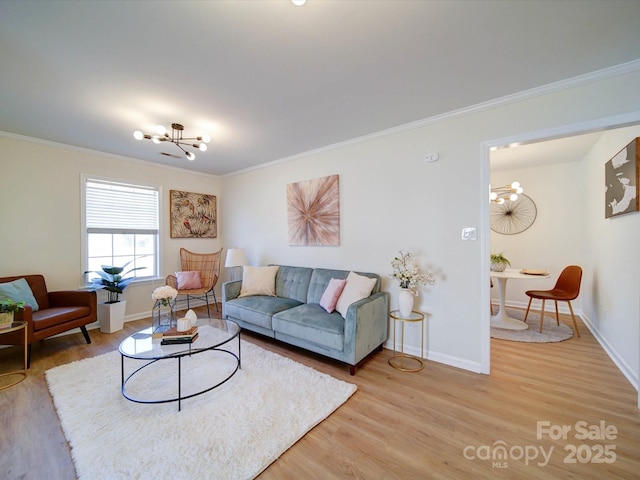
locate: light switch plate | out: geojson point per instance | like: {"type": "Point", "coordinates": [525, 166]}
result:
{"type": "Point", "coordinates": [469, 233]}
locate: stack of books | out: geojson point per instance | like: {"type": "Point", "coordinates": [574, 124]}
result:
{"type": "Point", "coordinates": [173, 336]}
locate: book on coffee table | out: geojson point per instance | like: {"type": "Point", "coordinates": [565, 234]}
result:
{"type": "Point", "coordinates": [173, 333]}
{"type": "Point", "coordinates": [178, 340]}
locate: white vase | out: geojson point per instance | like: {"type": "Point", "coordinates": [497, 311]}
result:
{"type": "Point", "coordinates": [405, 302]}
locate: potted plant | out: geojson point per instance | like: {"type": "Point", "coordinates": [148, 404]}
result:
{"type": "Point", "coordinates": [409, 277]}
{"type": "Point", "coordinates": [111, 279]}
{"type": "Point", "coordinates": [7, 309]}
{"type": "Point", "coordinates": [499, 262]}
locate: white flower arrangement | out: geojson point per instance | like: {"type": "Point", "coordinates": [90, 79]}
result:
{"type": "Point", "coordinates": [164, 294]}
{"type": "Point", "coordinates": [407, 273]}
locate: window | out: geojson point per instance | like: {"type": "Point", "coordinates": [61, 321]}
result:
{"type": "Point", "coordinates": [121, 222]}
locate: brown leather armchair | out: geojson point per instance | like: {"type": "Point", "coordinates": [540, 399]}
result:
{"type": "Point", "coordinates": [58, 312]}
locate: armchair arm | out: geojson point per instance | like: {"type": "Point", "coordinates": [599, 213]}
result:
{"type": "Point", "coordinates": [72, 298]}
{"type": "Point", "coordinates": [366, 326]}
{"type": "Point", "coordinates": [76, 298]}
{"type": "Point", "coordinates": [25, 314]}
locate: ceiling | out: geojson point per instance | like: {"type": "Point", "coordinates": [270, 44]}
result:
{"type": "Point", "coordinates": [269, 80]}
{"type": "Point", "coordinates": [547, 152]}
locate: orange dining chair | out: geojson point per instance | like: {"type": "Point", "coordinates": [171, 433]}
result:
{"type": "Point", "coordinates": [208, 266]}
{"type": "Point", "coordinates": [566, 289]}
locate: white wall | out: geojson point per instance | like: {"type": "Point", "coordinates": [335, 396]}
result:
{"type": "Point", "coordinates": [556, 238]}
{"type": "Point", "coordinates": [391, 199]}
{"type": "Point", "coordinates": [612, 261]}
{"type": "Point", "coordinates": [571, 229]}
{"type": "Point", "coordinates": [41, 213]}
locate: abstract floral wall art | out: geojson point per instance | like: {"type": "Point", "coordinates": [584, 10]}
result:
{"type": "Point", "coordinates": [193, 215]}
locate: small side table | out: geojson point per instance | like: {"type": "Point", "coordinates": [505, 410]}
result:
{"type": "Point", "coordinates": [22, 374]}
{"type": "Point", "coordinates": [400, 364]}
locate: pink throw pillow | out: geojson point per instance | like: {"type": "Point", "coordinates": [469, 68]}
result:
{"type": "Point", "coordinates": [331, 294]}
{"type": "Point", "coordinates": [188, 280]}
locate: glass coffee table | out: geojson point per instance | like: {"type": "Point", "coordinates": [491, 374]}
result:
{"type": "Point", "coordinates": [215, 336]}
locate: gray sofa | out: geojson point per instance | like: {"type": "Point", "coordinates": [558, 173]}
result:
{"type": "Point", "coordinates": [294, 315]}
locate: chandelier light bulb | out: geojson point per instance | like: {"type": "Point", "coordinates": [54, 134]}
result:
{"type": "Point", "coordinates": [515, 185]}
{"type": "Point", "coordinates": [500, 201]}
{"type": "Point", "coordinates": [155, 139]}
{"type": "Point", "coordinates": [519, 190]}
{"type": "Point", "coordinates": [513, 197]}
{"type": "Point", "coordinates": [190, 156]}
{"type": "Point", "coordinates": [493, 196]}
{"type": "Point", "coordinates": [160, 130]}
{"type": "Point", "coordinates": [203, 147]}
{"type": "Point", "coordinates": [138, 135]}
{"type": "Point", "coordinates": [206, 138]}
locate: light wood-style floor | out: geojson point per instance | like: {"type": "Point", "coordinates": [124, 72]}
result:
{"type": "Point", "coordinates": [439, 423]}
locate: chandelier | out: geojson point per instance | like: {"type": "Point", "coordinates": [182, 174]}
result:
{"type": "Point", "coordinates": [508, 192]}
{"type": "Point", "coordinates": [162, 135]}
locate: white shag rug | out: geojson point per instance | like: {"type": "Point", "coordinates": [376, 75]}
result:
{"type": "Point", "coordinates": [551, 331]}
{"type": "Point", "coordinates": [232, 432]}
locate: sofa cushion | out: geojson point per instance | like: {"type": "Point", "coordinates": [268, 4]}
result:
{"type": "Point", "coordinates": [189, 280]}
{"type": "Point", "coordinates": [18, 291]}
{"type": "Point", "coordinates": [257, 309]}
{"type": "Point", "coordinates": [312, 323]}
{"type": "Point", "coordinates": [293, 282]}
{"type": "Point", "coordinates": [357, 288]}
{"type": "Point", "coordinates": [258, 281]}
{"type": "Point", "coordinates": [331, 294]}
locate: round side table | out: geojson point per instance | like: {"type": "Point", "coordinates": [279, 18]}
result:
{"type": "Point", "coordinates": [21, 374]}
{"type": "Point", "coordinates": [399, 359]}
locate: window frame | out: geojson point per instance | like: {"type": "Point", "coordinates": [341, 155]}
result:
{"type": "Point", "coordinates": [84, 248]}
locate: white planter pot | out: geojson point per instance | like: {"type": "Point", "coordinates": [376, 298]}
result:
{"type": "Point", "coordinates": [405, 302]}
{"type": "Point", "coordinates": [498, 267]}
{"type": "Point", "coordinates": [111, 316]}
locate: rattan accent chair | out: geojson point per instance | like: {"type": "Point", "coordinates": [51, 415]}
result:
{"type": "Point", "coordinates": [567, 288]}
{"type": "Point", "coordinates": [208, 264]}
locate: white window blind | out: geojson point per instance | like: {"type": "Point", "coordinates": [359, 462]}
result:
{"type": "Point", "coordinates": [121, 227]}
{"type": "Point", "coordinates": [113, 207]}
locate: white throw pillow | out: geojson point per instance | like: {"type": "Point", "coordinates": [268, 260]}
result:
{"type": "Point", "coordinates": [357, 288]}
{"type": "Point", "coordinates": [259, 281]}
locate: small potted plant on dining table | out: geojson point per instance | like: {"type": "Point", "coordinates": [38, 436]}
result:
{"type": "Point", "coordinates": [7, 310]}
{"type": "Point", "coordinates": [499, 262]}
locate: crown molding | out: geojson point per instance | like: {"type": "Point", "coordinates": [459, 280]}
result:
{"type": "Point", "coordinates": [580, 80]}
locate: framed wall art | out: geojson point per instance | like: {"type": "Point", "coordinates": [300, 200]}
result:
{"type": "Point", "coordinates": [621, 175]}
{"type": "Point", "coordinates": [193, 215]}
{"type": "Point", "coordinates": [313, 212]}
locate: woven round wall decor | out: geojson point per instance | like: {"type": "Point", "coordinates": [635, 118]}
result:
{"type": "Point", "coordinates": [510, 217]}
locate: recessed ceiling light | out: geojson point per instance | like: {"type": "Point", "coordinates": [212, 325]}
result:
{"type": "Point", "coordinates": [298, 3]}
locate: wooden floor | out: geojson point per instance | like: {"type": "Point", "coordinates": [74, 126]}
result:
{"type": "Point", "coordinates": [440, 423]}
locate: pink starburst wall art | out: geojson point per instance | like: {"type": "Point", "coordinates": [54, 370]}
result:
{"type": "Point", "coordinates": [313, 212]}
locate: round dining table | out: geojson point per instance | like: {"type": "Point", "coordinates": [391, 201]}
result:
{"type": "Point", "coordinates": [501, 319]}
